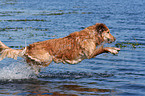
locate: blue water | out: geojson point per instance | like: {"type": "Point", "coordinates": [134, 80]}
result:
{"type": "Point", "coordinates": [106, 74]}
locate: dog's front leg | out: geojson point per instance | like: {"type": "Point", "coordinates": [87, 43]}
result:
{"type": "Point", "coordinates": [112, 50]}
{"type": "Point", "coordinates": [100, 50]}
{"type": "Point", "coordinates": [97, 51]}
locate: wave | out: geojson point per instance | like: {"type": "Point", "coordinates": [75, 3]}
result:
{"type": "Point", "coordinates": [73, 75]}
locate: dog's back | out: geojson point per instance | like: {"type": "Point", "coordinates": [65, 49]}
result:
{"type": "Point", "coordinates": [71, 49]}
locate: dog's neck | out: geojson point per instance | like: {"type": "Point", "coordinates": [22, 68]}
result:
{"type": "Point", "coordinates": [98, 39]}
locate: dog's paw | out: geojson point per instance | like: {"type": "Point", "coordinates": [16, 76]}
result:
{"type": "Point", "coordinates": [112, 50]}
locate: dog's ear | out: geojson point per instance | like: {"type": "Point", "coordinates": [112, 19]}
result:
{"type": "Point", "coordinates": [100, 27]}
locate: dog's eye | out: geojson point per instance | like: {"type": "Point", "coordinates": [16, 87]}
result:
{"type": "Point", "coordinates": [108, 32]}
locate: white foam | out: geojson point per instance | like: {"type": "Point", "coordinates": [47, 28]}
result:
{"type": "Point", "coordinates": [16, 71]}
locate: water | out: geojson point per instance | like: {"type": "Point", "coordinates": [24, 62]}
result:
{"type": "Point", "coordinates": [107, 74]}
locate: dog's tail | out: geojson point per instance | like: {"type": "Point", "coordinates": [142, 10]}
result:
{"type": "Point", "coordinates": [5, 51]}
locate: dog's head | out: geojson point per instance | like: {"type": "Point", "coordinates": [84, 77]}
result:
{"type": "Point", "coordinates": [104, 32]}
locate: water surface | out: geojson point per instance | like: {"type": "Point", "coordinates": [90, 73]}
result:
{"type": "Point", "coordinates": [106, 74]}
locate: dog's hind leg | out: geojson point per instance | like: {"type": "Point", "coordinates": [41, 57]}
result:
{"type": "Point", "coordinates": [38, 59]}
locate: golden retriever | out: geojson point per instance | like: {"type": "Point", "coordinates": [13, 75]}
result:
{"type": "Point", "coordinates": [71, 49]}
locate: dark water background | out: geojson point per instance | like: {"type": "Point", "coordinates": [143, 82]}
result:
{"type": "Point", "coordinates": [107, 74]}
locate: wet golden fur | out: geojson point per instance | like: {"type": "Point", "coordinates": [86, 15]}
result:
{"type": "Point", "coordinates": [71, 49]}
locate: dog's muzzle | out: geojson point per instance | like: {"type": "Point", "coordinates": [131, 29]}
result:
{"type": "Point", "coordinates": [110, 40]}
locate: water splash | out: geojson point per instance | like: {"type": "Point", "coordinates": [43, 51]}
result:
{"type": "Point", "coordinates": [16, 71]}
